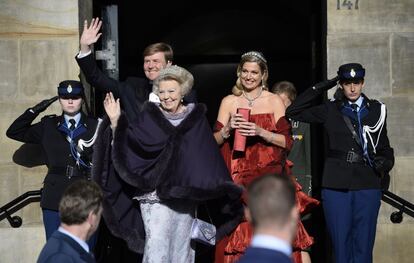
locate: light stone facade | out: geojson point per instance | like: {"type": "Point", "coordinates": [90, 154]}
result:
{"type": "Point", "coordinates": [38, 42]}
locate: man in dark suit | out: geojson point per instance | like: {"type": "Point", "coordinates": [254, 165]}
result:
{"type": "Point", "coordinates": [133, 92]}
{"type": "Point", "coordinates": [359, 156]}
{"type": "Point", "coordinates": [80, 212]}
{"type": "Point", "coordinates": [273, 213]}
{"type": "Point", "coordinates": [66, 141]}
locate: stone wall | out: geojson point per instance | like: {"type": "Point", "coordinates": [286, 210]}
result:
{"type": "Point", "coordinates": [380, 35]}
{"type": "Point", "coordinates": [38, 42]}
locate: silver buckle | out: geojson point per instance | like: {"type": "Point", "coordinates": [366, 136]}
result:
{"type": "Point", "coordinates": [350, 156]}
{"type": "Point", "coordinates": [69, 171]}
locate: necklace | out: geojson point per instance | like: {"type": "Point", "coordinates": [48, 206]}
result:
{"type": "Point", "coordinates": [251, 100]}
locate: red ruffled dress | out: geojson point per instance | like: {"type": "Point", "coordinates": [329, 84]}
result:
{"type": "Point", "coordinates": [259, 158]}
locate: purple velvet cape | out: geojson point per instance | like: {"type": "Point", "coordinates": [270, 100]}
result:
{"type": "Point", "coordinates": [181, 163]}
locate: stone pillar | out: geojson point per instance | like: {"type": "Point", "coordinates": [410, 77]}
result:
{"type": "Point", "coordinates": [380, 35]}
{"type": "Point", "coordinates": [38, 42]}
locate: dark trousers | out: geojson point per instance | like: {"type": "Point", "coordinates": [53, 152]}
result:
{"type": "Point", "coordinates": [51, 222]}
{"type": "Point", "coordinates": [351, 218]}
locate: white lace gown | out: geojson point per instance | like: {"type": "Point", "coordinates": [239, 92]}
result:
{"type": "Point", "coordinates": [167, 231]}
{"type": "Point", "coordinates": [168, 223]}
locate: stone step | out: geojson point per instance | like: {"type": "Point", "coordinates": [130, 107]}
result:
{"type": "Point", "coordinates": [21, 245]}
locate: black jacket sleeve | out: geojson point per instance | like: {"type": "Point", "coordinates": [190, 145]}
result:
{"type": "Point", "coordinates": [22, 129]}
{"type": "Point", "coordinates": [302, 108]}
{"type": "Point", "coordinates": [96, 77]}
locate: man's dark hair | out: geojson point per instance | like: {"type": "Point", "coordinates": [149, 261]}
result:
{"type": "Point", "coordinates": [78, 200]}
{"type": "Point", "coordinates": [271, 198]}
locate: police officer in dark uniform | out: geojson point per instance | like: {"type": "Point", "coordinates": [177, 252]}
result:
{"type": "Point", "coordinates": [359, 156]}
{"type": "Point", "coordinates": [67, 144]}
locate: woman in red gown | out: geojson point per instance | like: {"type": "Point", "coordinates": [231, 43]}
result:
{"type": "Point", "coordinates": [267, 145]}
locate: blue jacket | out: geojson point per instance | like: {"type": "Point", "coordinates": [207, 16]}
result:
{"type": "Point", "coordinates": [264, 255]}
{"type": "Point", "coordinates": [63, 249]}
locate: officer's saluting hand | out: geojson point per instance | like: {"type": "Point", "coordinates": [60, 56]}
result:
{"type": "Point", "coordinates": [43, 105]}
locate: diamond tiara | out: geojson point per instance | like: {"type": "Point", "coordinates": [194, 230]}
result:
{"type": "Point", "coordinates": [171, 70]}
{"type": "Point", "coordinates": [255, 54]}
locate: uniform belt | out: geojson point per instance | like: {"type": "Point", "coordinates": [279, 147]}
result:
{"type": "Point", "coordinates": [350, 156]}
{"type": "Point", "coordinates": [69, 171]}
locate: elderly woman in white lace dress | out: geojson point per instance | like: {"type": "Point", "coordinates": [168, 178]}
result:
{"type": "Point", "coordinates": [159, 168]}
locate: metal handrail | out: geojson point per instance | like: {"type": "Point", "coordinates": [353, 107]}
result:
{"type": "Point", "coordinates": [23, 200]}
{"type": "Point", "coordinates": [15, 205]}
{"type": "Point", "coordinates": [400, 203]}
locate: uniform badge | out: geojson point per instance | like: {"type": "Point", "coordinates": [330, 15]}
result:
{"type": "Point", "coordinates": [352, 73]}
{"type": "Point", "coordinates": [69, 89]}
{"type": "Point", "coordinates": [297, 137]}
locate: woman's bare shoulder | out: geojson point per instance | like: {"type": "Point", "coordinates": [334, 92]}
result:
{"type": "Point", "coordinates": [229, 99]}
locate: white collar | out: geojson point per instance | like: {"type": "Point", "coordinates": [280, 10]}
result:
{"type": "Point", "coordinates": [357, 102]}
{"type": "Point", "coordinates": [81, 242]}
{"type": "Point", "coordinates": [77, 118]}
{"type": "Point", "coordinates": [272, 242]}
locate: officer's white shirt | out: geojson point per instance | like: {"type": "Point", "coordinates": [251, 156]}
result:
{"type": "Point", "coordinates": [77, 118]}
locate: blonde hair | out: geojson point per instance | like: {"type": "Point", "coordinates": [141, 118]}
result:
{"type": "Point", "coordinates": [251, 56]}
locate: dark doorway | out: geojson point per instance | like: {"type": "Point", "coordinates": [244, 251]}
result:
{"type": "Point", "coordinates": [209, 40]}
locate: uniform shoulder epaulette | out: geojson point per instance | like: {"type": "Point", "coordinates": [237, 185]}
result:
{"type": "Point", "coordinates": [374, 101]}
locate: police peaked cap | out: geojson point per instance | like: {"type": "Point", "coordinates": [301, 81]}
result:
{"type": "Point", "coordinates": [351, 71]}
{"type": "Point", "coordinates": [70, 88]}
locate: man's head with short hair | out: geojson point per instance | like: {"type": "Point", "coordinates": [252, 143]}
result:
{"type": "Point", "coordinates": [286, 90]}
{"type": "Point", "coordinates": [156, 57]}
{"type": "Point", "coordinates": [159, 47]}
{"type": "Point", "coordinates": [272, 203]}
{"type": "Point", "coordinates": [78, 201]}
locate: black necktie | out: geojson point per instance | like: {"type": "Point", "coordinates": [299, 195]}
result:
{"type": "Point", "coordinates": [72, 124]}
{"type": "Point", "coordinates": [354, 107]}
